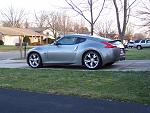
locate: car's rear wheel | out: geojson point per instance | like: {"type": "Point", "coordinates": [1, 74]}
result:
{"type": "Point", "coordinates": [92, 60]}
{"type": "Point", "coordinates": [34, 60]}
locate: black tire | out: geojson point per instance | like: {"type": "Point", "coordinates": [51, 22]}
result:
{"type": "Point", "coordinates": [34, 60]}
{"type": "Point", "coordinates": [139, 47]}
{"type": "Point", "coordinates": [92, 60]}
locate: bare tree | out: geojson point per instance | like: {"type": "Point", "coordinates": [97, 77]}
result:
{"type": "Point", "coordinates": [88, 6]}
{"type": "Point", "coordinates": [122, 7]}
{"type": "Point", "coordinates": [144, 14]}
{"type": "Point", "coordinates": [13, 17]}
{"type": "Point", "coordinates": [105, 27]}
{"type": "Point", "coordinates": [60, 23]}
{"type": "Point", "coordinates": [26, 24]}
{"type": "Point", "coordinates": [41, 19]}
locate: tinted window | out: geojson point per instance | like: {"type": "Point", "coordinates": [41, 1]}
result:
{"type": "Point", "coordinates": [137, 41]}
{"type": "Point", "coordinates": [148, 41]}
{"type": "Point", "coordinates": [143, 41]}
{"type": "Point", "coordinates": [80, 40]}
{"type": "Point", "coordinates": [67, 41]}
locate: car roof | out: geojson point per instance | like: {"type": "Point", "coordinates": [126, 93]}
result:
{"type": "Point", "coordinates": [89, 36]}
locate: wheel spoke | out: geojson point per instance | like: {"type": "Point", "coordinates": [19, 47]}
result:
{"type": "Point", "coordinates": [89, 56]}
{"type": "Point", "coordinates": [91, 65]}
{"type": "Point", "coordinates": [87, 61]}
{"type": "Point", "coordinates": [96, 62]}
{"type": "Point", "coordinates": [94, 56]}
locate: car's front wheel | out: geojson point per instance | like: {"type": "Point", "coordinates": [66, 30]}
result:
{"type": "Point", "coordinates": [92, 60]}
{"type": "Point", "coordinates": [34, 60]}
{"type": "Point", "coordinates": [139, 47]}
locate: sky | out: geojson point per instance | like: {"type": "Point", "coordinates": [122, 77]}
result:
{"type": "Point", "coordinates": [31, 6]}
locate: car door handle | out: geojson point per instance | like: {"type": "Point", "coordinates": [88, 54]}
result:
{"type": "Point", "coordinates": [75, 49]}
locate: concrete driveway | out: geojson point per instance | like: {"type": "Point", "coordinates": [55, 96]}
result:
{"type": "Point", "coordinates": [9, 55]}
{"type": "Point", "coordinates": [127, 65]}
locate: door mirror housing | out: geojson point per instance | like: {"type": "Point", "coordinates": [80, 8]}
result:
{"type": "Point", "coordinates": [56, 43]}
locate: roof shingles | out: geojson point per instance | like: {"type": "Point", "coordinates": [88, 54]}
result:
{"type": "Point", "coordinates": [18, 31]}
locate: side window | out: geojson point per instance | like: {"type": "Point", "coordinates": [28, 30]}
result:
{"type": "Point", "coordinates": [147, 41]}
{"type": "Point", "coordinates": [143, 41]}
{"type": "Point", "coordinates": [137, 41]}
{"type": "Point", "coordinates": [66, 40]}
{"type": "Point", "coordinates": [80, 40]}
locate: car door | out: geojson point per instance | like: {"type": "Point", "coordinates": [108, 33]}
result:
{"type": "Point", "coordinates": [63, 51]}
{"type": "Point", "coordinates": [143, 43]}
{"type": "Point", "coordinates": [148, 43]}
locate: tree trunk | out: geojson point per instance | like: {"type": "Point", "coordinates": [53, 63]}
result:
{"type": "Point", "coordinates": [124, 20]}
{"type": "Point", "coordinates": [20, 46]}
{"type": "Point", "coordinates": [91, 11]}
{"type": "Point", "coordinates": [92, 29]}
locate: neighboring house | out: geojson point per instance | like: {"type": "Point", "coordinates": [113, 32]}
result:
{"type": "Point", "coordinates": [12, 36]}
{"type": "Point", "coordinates": [48, 34]}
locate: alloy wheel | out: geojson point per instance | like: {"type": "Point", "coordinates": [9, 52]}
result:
{"type": "Point", "coordinates": [91, 60]}
{"type": "Point", "coordinates": [34, 60]}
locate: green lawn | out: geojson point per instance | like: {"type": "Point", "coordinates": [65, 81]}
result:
{"type": "Point", "coordinates": [126, 86]}
{"type": "Point", "coordinates": [134, 54]}
{"type": "Point", "coordinates": [10, 48]}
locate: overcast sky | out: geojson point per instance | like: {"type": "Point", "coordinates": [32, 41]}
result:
{"type": "Point", "coordinates": [31, 6]}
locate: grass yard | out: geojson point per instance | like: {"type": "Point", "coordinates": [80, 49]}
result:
{"type": "Point", "coordinates": [4, 48]}
{"type": "Point", "coordinates": [134, 54]}
{"type": "Point", "coordinates": [8, 48]}
{"type": "Point", "coordinates": [126, 86]}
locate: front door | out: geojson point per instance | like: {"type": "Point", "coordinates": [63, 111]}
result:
{"type": "Point", "coordinates": [63, 51]}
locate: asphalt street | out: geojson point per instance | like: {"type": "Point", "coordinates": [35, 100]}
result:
{"type": "Point", "coordinates": [13, 101]}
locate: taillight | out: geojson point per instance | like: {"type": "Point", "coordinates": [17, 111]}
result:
{"type": "Point", "coordinates": [109, 45]}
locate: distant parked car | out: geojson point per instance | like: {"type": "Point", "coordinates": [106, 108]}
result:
{"type": "Point", "coordinates": [142, 44]}
{"type": "Point", "coordinates": [89, 51]}
{"type": "Point", "coordinates": [130, 44]}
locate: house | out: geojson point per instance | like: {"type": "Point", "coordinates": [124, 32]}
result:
{"type": "Point", "coordinates": [48, 35]}
{"type": "Point", "coordinates": [13, 36]}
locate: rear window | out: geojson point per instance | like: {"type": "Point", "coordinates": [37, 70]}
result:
{"type": "Point", "coordinates": [115, 42]}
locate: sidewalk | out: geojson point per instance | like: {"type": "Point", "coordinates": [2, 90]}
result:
{"type": "Point", "coordinates": [13, 63]}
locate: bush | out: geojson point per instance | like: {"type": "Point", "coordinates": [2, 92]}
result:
{"type": "Point", "coordinates": [1, 42]}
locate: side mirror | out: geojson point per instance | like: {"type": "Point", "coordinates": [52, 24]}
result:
{"type": "Point", "coordinates": [56, 43]}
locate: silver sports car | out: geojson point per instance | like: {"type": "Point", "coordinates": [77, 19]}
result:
{"type": "Point", "coordinates": [85, 50]}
